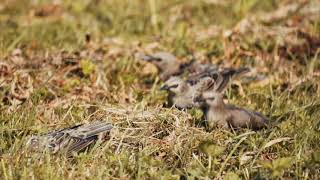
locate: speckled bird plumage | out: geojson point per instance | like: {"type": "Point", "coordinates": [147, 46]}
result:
{"type": "Point", "coordinates": [70, 140]}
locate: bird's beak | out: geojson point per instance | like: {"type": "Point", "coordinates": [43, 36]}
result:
{"type": "Point", "coordinates": [164, 87]}
{"type": "Point", "coordinates": [149, 58]}
{"type": "Point", "coordinates": [146, 57]}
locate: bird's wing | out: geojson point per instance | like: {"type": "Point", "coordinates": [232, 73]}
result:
{"type": "Point", "coordinates": [75, 145]}
{"type": "Point", "coordinates": [202, 73]}
{"type": "Point", "coordinates": [257, 120]}
{"type": "Point", "coordinates": [204, 84]}
{"type": "Point", "coordinates": [78, 137]}
{"type": "Point", "coordinates": [234, 73]}
{"type": "Point", "coordinates": [90, 130]}
{"type": "Point", "coordinates": [213, 73]}
{"type": "Point", "coordinates": [226, 75]}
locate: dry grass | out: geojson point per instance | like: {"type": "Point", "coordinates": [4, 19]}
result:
{"type": "Point", "coordinates": [73, 62]}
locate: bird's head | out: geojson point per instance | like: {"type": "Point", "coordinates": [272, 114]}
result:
{"type": "Point", "coordinates": [175, 84]}
{"type": "Point", "coordinates": [162, 60]}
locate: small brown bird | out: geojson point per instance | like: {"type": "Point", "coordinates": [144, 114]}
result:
{"type": "Point", "coordinates": [70, 140]}
{"type": "Point", "coordinates": [217, 113]}
{"type": "Point", "coordinates": [168, 65]}
{"type": "Point", "coordinates": [181, 92]}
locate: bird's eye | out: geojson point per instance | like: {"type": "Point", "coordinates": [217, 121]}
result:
{"type": "Point", "coordinates": [174, 86]}
{"type": "Point", "coordinates": [211, 98]}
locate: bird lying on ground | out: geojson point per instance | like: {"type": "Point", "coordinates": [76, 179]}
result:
{"type": "Point", "coordinates": [181, 92]}
{"type": "Point", "coordinates": [168, 65]}
{"type": "Point", "coordinates": [70, 140]}
{"type": "Point", "coordinates": [219, 114]}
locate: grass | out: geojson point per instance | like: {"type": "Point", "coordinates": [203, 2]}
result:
{"type": "Point", "coordinates": [77, 65]}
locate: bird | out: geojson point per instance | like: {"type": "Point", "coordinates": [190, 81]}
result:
{"type": "Point", "coordinates": [181, 92]}
{"type": "Point", "coordinates": [226, 116]}
{"type": "Point", "coordinates": [168, 65]}
{"type": "Point", "coordinates": [70, 140]}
